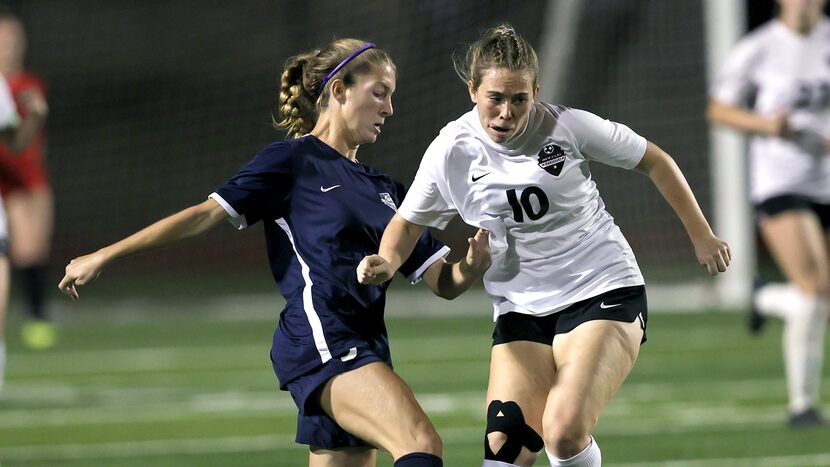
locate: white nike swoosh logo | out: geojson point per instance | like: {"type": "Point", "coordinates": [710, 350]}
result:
{"type": "Point", "coordinates": [324, 190]}
{"type": "Point", "coordinates": [351, 355]}
{"type": "Point", "coordinates": [603, 305]}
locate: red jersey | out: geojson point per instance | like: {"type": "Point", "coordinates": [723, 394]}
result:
{"type": "Point", "coordinates": [24, 170]}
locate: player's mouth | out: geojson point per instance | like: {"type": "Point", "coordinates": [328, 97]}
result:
{"type": "Point", "coordinates": [378, 127]}
{"type": "Point", "coordinates": [499, 130]}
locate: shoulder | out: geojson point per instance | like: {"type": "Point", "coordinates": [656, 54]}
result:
{"type": "Point", "coordinates": [280, 154]}
{"type": "Point", "coordinates": [758, 41]}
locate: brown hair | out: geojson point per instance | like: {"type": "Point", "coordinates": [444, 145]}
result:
{"type": "Point", "coordinates": [498, 47]}
{"type": "Point", "coordinates": [302, 96]}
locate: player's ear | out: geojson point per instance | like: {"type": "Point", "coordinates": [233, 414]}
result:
{"type": "Point", "coordinates": [472, 91]}
{"type": "Point", "coordinates": [338, 91]}
{"type": "Point", "coordinates": [536, 92]}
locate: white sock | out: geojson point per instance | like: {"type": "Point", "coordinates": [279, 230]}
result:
{"type": "Point", "coordinates": [588, 457]}
{"type": "Point", "coordinates": [2, 362]}
{"type": "Point", "coordinates": [491, 463]}
{"type": "Point", "coordinates": [776, 299]}
{"type": "Point", "coordinates": [803, 344]}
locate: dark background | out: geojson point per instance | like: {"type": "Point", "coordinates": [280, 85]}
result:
{"type": "Point", "coordinates": [155, 103]}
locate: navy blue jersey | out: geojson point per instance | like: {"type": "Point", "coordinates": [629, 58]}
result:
{"type": "Point", "coordinates": [322, 214]}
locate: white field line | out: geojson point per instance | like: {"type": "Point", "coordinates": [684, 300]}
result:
{"type": "Point", "coordinates": [803, 460]}
{"type": "Point", "coordinates": [443, 348]}
{"type": "Point", "coordinates": [160, 447]}
{"type": "Point", "coordinates": [127, 407]}
{"type": "Point", "coordinates": [261, 443]}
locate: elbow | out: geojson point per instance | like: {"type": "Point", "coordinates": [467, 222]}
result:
{"type": "Point", "coordinates": [447, 294]}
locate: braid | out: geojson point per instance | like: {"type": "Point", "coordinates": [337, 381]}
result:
{"type": "Point", "coordinates": [297, 108]}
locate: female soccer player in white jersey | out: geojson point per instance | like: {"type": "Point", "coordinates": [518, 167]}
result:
{"type": "Point", "coordinates": [568, 296]}
{"type": "Point", "coordinates": [784, 68]}
{"type": "Point", "coordinates": [323, 211]}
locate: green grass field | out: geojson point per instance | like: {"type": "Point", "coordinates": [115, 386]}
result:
{"type": "Point", "coordinates": [177, 383]}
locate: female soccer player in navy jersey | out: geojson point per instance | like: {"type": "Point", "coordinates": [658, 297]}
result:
{"type": "Point", "coordinates": [568, 297]}
{"type": "Point", "coordinates": [323, 211]}
{"type": "Point", "coordinates": [783, 68]}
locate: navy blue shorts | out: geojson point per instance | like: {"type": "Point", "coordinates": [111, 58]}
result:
{"type": "Point", "coordinates": [625, 304]}
{"type": "Point", "coordinates": [314, 426]}
{"type": "Point", "coordinates": [779, 204]}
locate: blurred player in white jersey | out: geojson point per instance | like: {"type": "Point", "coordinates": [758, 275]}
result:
{"type": "Point", "coordinates": [784, 67]}
{"type": "Point", "coordinates": [569, 300]}
{"type": "Point", "coordinates": [8, 127]}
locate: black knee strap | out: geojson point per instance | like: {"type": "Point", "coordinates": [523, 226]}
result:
{"type": "Point", "coordinates": [507, 418]}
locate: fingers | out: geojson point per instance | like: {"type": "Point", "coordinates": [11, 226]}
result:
{"type": "Point", "coordinates": [370, 270]}
{"type": "Point", "coordinates": [67, 286]}
{"type": "Point", "coordinates": [717, 263]}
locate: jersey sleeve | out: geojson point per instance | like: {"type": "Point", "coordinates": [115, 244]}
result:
{"type": "Point", "coordinates": [428, 201]}
{"type": "Point", "coordinates": [8, 110]}
{"type": "Point", "coordinates": [605, 141]}
{"type": "Point", "coordinates": [734, 84]}
{"type": "Point", "coordinates": [261, 189]}
{"type": "Point", "coordinates": [427, 251]}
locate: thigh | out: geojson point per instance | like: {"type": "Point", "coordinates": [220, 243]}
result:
{"type": "Point", "coordinates": [357, 457]}
{"type": "Point", "coordinates": [591, 361]}
{"type": "Point", "coordinates": [373, 403]}
{"type": "Point", "coordinates": [523, 372]}
{"type": "Point", "coordinates": [797, 242]}
{"type": "Point", "coordinates": [30, 223]}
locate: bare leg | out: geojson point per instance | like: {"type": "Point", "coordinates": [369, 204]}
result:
{"type": "Point", "coordinates": [800, 249]}
{"type": "Point", "coordinates": [522, 372]}
{"type": "Point", "coordinates": [375, 404]}
{"type": "Point", "coordinates": [592, 361]}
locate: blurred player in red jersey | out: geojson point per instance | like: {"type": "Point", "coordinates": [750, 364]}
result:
{"type": "Point", "coordinates": [24, 184]}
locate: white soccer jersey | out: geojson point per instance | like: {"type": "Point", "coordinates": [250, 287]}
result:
{"type": "Point", "coordinates": [787, 72]}
{"type": "Point", "coordinates": [552, 242]}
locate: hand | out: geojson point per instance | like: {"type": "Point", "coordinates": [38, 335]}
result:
{"type": "Point", "coordinates": [478, 254]}
{"type": "Point", "coordinates": [374, 270]}
{"type": "Point", "coordinates": [80, 271]}
{"type": "Point", "coordinates": [34, 103]}
{"type": "Point", "coordinates": [713, 253]}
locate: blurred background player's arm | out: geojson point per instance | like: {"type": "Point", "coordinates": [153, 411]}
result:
{"type": "Point", "coordinates": [35, 109]}
{"type": "Point", "coordinates": [746, 120]}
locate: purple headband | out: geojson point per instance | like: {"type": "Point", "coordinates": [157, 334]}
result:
{"type": "Point", "coordinates": [348, 59]}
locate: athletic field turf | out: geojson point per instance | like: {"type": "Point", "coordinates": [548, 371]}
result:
{"type": "Point", "coordinates": [177, 383]}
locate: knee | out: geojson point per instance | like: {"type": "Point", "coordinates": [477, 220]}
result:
{"type": "Point", "coordinates": [426, 439]}
{"type": "Point", "coordinates": [509, 439]}
{"type": "Point", "coordinates": [566, 433]}
{"type": "Point", "coordinates": [27, 255]}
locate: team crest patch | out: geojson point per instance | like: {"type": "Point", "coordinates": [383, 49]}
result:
{"type": "Point", "coordinates": [387, 200]}
{"type": "Point", "coordinates": [552, 159]}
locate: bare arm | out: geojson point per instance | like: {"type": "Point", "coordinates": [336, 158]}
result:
{"type": "Point", "coordinates": [36, 111]}
{"type": "Point", "coordinates": [746, 120]}
{"type": "Point", "coordinates": [399, 238]}
{"type": "Point", "coordinates": [449, 280]}
{"type": "Point", "coordinates": [188, 223]}
{"type": "Point", "coordinates": [711, 251]}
